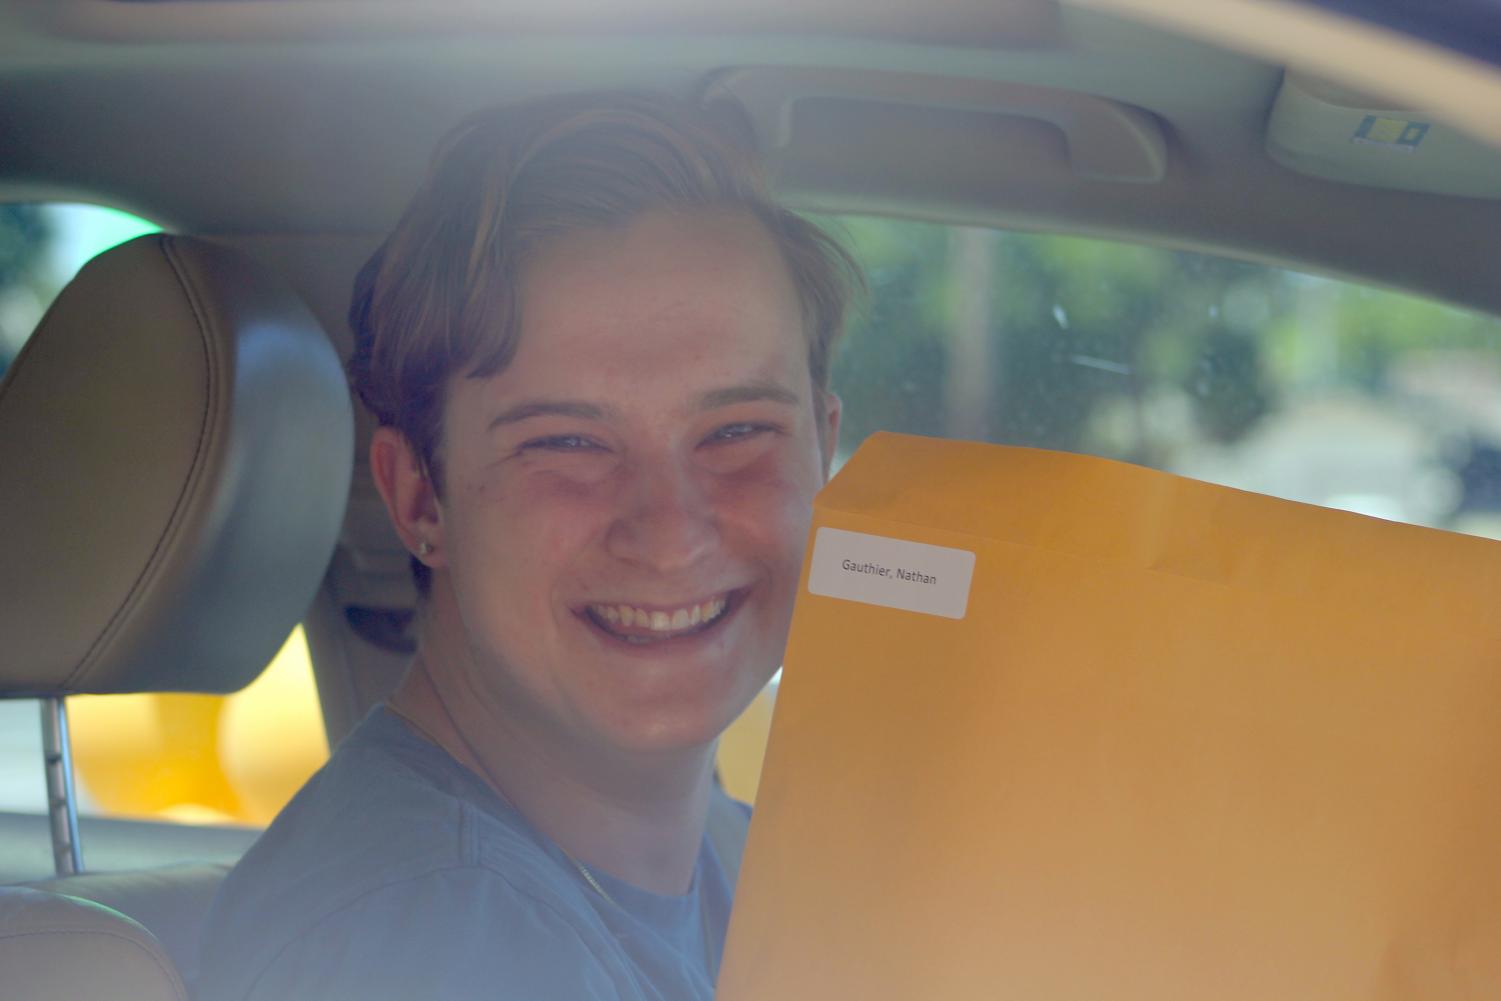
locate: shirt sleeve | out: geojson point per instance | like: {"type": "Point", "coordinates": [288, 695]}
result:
{"type": "Point", "coordinates": [460, 934]}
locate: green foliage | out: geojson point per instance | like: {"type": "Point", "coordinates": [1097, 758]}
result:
{"type": "Point", "coordinates": [1085, 336]}
{"type": "Point", "coordinates": [40, 248]}
{"type": "Point", "coordinates": [889, 368]}
{"type": "Point", "coordinates": [23, 234]}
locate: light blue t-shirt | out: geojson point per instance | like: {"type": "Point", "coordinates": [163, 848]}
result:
{"type": "Point", "coordinates": [397, 873]}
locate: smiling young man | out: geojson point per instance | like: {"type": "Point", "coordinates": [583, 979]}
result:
{"type": "Point", "coordinates": [599, 357]}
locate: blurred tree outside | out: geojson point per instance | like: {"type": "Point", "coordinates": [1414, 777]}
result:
{"type": "Point", "coordinates": [1149, 355]}
{"type": "Point", "coordinates": [24, 234]}
{"type": "Point", "coordinates": [41, 249]}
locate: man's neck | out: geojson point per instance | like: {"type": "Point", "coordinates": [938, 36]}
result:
{"type": "Point", "coordinates": [641, 822]}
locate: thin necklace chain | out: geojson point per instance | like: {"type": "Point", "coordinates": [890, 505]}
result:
{"type": "Point", "coordinates": [589, 878]}
{"type": "Point", "coordinates": [583, 870]}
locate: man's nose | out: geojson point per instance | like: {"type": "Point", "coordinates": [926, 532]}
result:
{"type": "Point", "coordinates": [666, 522]}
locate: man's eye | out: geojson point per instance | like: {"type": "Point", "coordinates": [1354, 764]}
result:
{"type": "Point", "coordinates": [563, 443]}
{"type": "Point", "coordinates": [739, 432]}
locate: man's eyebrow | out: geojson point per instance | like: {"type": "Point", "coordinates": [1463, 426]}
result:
{"type": "Point", "coordinates": [528, 409]}
{"type": "Point", "coordinates": [750, 392]}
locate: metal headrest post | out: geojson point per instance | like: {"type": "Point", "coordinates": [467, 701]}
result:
{"type": "Point", "coordinates": [62, 805]}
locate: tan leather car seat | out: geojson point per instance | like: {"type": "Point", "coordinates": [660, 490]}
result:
{"type": "Point", "coordinates": [177, 442]}
{"type": "Point", "coordinates": [59, 948]}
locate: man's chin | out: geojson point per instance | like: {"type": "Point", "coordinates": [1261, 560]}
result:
{"type": "Point", "coordinates": [679, 730]}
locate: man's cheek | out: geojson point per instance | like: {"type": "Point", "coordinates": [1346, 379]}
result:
{"type": "Point", "coordinates": [541, 511]}
{"type": "Point", "coordinates": [780, 477]}
{"type": "Point", "coordinates": [781, 542]}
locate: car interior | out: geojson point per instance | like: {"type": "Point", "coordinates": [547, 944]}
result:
{"type": "Point", "coordinates": [182, 470]}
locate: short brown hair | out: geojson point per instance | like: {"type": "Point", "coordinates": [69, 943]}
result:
{"type": "Point", "coordinates": [439, 297]}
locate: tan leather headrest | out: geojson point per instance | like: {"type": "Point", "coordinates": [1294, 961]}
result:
{"type": "Point", "coordinates": [175, 449]}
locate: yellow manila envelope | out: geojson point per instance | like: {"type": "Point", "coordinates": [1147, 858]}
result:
{"type": "Point", "coordinates": [1053, 727]}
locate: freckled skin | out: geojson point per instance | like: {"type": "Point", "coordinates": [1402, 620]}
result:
{"type": "Point", "coordinates": [652, 501]}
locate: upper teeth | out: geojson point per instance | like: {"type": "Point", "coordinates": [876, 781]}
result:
{"type": "Point", "coordinates": [661, 620]}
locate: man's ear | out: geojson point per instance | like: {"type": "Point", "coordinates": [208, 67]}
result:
{"type": "Point", "coordinates": [411, 500]}
{"type": "Point", "coordinates": [832, 408]}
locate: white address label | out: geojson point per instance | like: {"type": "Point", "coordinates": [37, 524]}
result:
{"type": "Point", "coordinates": [894, 573]}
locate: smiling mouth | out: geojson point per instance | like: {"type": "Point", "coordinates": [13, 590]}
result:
{"type": "Point", "coordinates": [638, 625]}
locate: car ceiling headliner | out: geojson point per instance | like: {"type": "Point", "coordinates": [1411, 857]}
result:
{"type": "Point", "coordinates": [259, 118]}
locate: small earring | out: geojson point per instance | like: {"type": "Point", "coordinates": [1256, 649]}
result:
{"type": "Point", "coordinates": [424, 548]}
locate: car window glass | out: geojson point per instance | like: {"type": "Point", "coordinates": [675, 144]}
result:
{"type": "Point", "coordinates": [187, 758]}
{"type": "Point", "coordinates": [1287, 384]}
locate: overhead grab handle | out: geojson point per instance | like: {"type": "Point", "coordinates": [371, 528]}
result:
{"type": "Point", "coordinates": [1107, 140]}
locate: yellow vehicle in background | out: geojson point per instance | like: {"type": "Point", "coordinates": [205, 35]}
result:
{"type": "Point", "coordinates": [203, 759]}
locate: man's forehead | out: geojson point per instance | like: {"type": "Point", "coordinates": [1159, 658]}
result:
{"type": "Point", "coordinates": [692, 312]}
{"type": "Point", "coordinates": [662, 263]}
{"type": "Point", "coordinates": [729, 230]}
